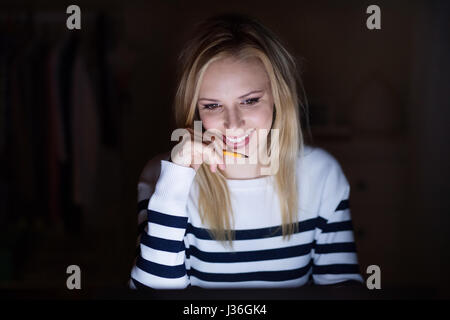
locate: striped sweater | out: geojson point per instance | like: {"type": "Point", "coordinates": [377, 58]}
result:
{"type": "Point", "coordinates": [176, 250]}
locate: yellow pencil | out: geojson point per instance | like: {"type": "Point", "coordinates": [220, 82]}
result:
{"type": "Point", "coordinates": [234, 154]}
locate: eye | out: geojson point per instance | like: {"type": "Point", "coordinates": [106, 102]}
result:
{"type": "Point", "coordinates": [251, 101]}
{"type": "Point", "coordinates": [211, 106]}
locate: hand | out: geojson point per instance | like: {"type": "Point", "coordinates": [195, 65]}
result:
{"type": "Point", "coordinates": [192, 151]}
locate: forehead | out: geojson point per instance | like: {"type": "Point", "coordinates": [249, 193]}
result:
{"type": "Point", "coordinates": [232, 76]}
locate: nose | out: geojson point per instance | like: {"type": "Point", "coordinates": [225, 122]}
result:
{"type": "Point", "coordinates": [233, 119]}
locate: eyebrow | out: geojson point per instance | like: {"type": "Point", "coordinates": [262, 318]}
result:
{"type": "Point", "coordinates": [245, 95]}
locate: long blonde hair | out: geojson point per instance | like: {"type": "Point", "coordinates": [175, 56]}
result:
{"type": "Point", "coordinates": [241, 37]}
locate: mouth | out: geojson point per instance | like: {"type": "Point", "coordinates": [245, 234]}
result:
{"type": "Point", "coordinates": [238, 142]}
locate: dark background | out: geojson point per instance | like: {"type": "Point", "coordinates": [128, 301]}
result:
{"type": "Point", "coordinates": [378, 102]}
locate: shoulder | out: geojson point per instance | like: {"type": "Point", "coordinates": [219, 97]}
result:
{"type": "Point", "coordinates": [320, 176]}
{"type": "Point", "coordinates": [152, 168]}
{"type": "Point", "coordinates": [318, 162]}
{"type": "Point", "coordinates": [150, 175]}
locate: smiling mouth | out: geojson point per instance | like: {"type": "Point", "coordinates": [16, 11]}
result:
{"type": "Point", "coordinates": [238, 141]}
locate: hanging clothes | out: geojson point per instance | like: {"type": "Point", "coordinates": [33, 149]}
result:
{"type": "Point", "coordinates": [58, 108]}
{"type": "Point", "coordinates": [55, 136]}
{"type": "Point", "coordinates": [85, 133]}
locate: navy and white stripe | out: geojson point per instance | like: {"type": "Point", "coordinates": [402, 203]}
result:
{"type": "Point", "coordinates": [291, 264]}
{"type": "Point", "coordinates": [335, 254]}
{"type": "Point", "coordinates": [177, 251]}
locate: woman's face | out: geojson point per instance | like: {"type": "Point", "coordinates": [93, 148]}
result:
{"type": "Point", "coordinates": [236, 99]}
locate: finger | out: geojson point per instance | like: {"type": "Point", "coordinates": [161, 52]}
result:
{"type": "Point", "coordinates": [220, 157]}
{"type": "Point", "coordinates": [211, 158]}
{"type": "Point", "coordinates": [197, 153]}
{"type": "Point", "coordinates": [209, 153]}
{"type": "Point", "coordinates": [220, 161]}
{"type": "Point", "coordinates": [214, 136]}
{"type": "Point", "coordinates": [215, 155]}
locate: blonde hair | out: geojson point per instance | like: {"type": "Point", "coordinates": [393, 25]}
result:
{"type": "Point", "coordinates": [242, 37]}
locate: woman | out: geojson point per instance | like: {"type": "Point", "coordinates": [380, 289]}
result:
{"type": "Point", "coordinates": [216, 222]}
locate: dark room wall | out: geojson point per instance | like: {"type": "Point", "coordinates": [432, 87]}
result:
{"type": "Point", "coordinates": [378, 102]}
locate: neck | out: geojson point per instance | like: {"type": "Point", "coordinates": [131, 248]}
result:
{"type": "Point", "coordinates": [242, 171]}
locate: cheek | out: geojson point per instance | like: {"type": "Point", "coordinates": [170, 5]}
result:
{"type": "Point", "coordinates": [263, 119]}
{"type": "Point", "coordinates": [209, 122]}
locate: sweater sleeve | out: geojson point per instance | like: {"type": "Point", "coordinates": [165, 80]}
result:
{"type": "Point", "coordinates": [334, 255]}
{"type": "Point", "coordinates": [160, 263]}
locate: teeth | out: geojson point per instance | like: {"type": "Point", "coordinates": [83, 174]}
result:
{"type": "Point", "coordinates": [237, 140]}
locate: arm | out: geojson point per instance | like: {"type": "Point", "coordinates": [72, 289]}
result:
{"type": "Point", "coordinates": [335, 259]}
{"type": "Point", "coordinates": [145, 188]}
{"type": "Point", "coordinates": [160, 262]}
